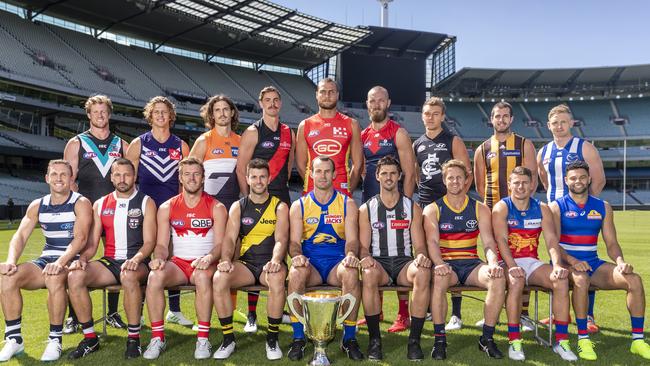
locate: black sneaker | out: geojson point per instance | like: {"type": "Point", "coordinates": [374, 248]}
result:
{"type": "Point", "coordinates": [488, 346]}
{"type": "Point", "coordinates": [414, 351]}
{"type": "Point", "coordinates": [439, 351]}
{"type": "Point", "coordinates": [133, 349]}
{"type": "Point", "coordinates": [297, 349]}
{"type": "Point", "coordinates": [85, 347]}
{"type": "Point", "coordinates": [115, 321]}
{"type": "Point", "coordinates": [374, 349]}
{"type": "Point", "coordinates": [351, 348]}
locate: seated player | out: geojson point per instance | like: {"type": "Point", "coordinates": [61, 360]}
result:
{"type": "Point", "coordinates": [64, 217]}
{"type": "Point", "coordinates": [518, 220]}
{"type": "Point", "coordinates": [452, 225]}
{"type": "Point", "coordinates": [579, 218]}
{"type": "Point", "coordinates": [197, 222]}
{"type": "Point", "coordinates": [127, 217]}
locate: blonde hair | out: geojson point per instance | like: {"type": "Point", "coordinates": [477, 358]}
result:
{"type": "Point", "coordinates": [454, 163]}
{"type": "Point", "coordinates": [98, 99]}
{"type": "Point", "coordinates": [208, 115]}
{"type": "Point", "coordinates": [561, 108]}
{"type": "Point", "coordinates": [57, 162]}
{"type": "Point", "coordinates": [190, 160]}
{"type": "Point", "coordinates": [148, 109]}
{"type": "Point", "coordinates": [435, 101]}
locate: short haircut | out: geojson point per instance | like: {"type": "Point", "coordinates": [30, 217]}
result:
{"type": "Point", "coordinates": [269, 89]}
{"type": "Point", "coordinates": [328, 80]}
{"type": "Point", "coordinates": [501, 105]}
{"type": "Point", "coordinates": [123, 161]}
{"type": "Point", "coordinates": [454, 163]}
{"type": "Point", "coordinates": [388, 160]}
{"type": "Point", "coordinates": [208, 115]}
{"type": "Point", "coordinates": [191, 160]}
{"type": "Point", "coordinates": [59, 161]}
{"type": "Point", "coordinates": [561, 108]}
{"type": "Point", "coordinates": [98, 99]}
{"type": "Point", "coordinates": [148, 109]}
{"type": "Point", "coordinates": [323, 158]}
{"type": "Point", "coordinates": [521, 170]}
{"type": "Point", "coordinates": [257, 163]}
{"type": "Point", "coordinates": [435, 101]}
{"type": "Point", "coordinates": [580, 164]}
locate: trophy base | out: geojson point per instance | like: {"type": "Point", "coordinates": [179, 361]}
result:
{"type": "Point", "coordinates": [320, 359]}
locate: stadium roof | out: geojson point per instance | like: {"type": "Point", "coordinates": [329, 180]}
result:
{"type": "Point", "coordinates": [400, 42]}
{"type": "Point", "coordinates": [253, 30]}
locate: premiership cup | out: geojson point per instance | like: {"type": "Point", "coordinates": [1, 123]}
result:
{"type": "Point", "coordinates": [320, 316]}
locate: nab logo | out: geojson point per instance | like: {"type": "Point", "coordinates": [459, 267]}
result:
{"type": "Point", "coordinates": [90, 155]}
{"type": "Point", "coordinates": [446, 226]}
{"type": "Point", "coordinates": [327, 147]}
{"type": "Point", "coordinates": [247, 221]}
{"type": "Point", "coordinates": [201, 223]}
{"type": "Point", "coordinates": [268, 144]}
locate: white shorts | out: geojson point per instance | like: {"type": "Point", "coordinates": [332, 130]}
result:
{"type": "Point", "coordinates": [528, 264]}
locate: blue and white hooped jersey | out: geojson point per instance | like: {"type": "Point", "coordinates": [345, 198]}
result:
{"type": "Point", "coordinates": [580, 226]}
{"type": "Point", "coordinates": [555, 159]}
{"type": "Point", "coordinates": [57, 224]}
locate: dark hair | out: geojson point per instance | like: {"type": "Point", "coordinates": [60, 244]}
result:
{"type": "Point", "coordinates": [208, 115]}
{"type": "Point", "coordinates": [522, 170]}
{"type": "Point", "coordinates": [388, 160]}
{"type": "Point", "coordinates": [123, 161]}
{"type": "Point", "coordinates": [257, 163]}
{"type": "Point", "coordinates": [501, 105]}
{"type": "Point", "coordinates": [269, 89]}
{"type": "Point", "coordinates": [580, 164]}
{"type": "Point", "coordinates": [59, 161]}
{"type": "Point", "coordinates": [323, 158]}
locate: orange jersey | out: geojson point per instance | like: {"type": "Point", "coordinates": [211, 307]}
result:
{"type": "Point", "coordinates": [220, 161]}
{"type": "Point", "coordinates": [330, 137]}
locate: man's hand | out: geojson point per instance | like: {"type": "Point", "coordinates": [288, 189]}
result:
{"type": "Point", "coordinates": [559, 272]}
{"type": "Point", "coordinates": [52, 269]}
{"type": "Point", "coordinates": [272, 266]}
{"type": "Point", "coordinates": [8, 269]}
{"type": "Point", "coordinates": [517, 272]}
{"type": "Point", "coordinates": [203, 262]}
{"type": "Point", "coordinates": [225, 266]}
{"type": "Point", "coordinates": [495, 271]}
{"type": "Point", "coordinates": [624, 268]}
{"type": "Point", "coordinates": [442, 269]}
{"type": "Point", "coordinates": [367, 262]}
{"type": "Point", "coordinates": [130, 265]}
{"type": "Point", "coordinates": [157, 264]}
{"type": "Point", "coordinates": [300, 261]}
{"type": "Point", "coordinates": [422, 260]}
{"type": "Point", "coordinates": [350, 261]}
{"type": "Point", "coordinates": [79, 264]}
{"type": "Point", "coordinates": [581, 266]}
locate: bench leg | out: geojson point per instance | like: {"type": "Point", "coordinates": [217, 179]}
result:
{"type": "Point", "coordinates": [550, 316]}
{"type": "Point", "coordinates": [104, 296]}
{"type": "Point", "coordinates": [546, 342]}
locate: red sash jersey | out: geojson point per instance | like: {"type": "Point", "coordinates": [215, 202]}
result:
{"type": "Point", "coordinates": [192, 234]}
{"type": "Point", "coordinates": [122, 220]}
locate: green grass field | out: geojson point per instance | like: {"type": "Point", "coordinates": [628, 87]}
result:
{"type": "Point", "coordinates": [612, 342]}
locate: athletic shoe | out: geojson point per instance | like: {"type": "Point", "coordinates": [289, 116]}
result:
{"type": "Point", "coordinates": [362, 321]}
{"type": "Point", "coordinates": [251, 324]}
{"type": "Point", "coordinates": [527, 324]}
{"type": "Point", "coordinates": [455, 323]}
{"type": "Point", "coordinates": [516, 351]}
{"type": "Point", "coordinates": [286, 317]}
{"type": "Point", "coordinates": [203, 349]}
{"type": "Point", "coordinates": [490, 347]}
{"type": "Point", "coordinates": [177, 317]}
{"type": "Point", "coordinates": [10, 349]}
{"type": "Point", "coordinates": [351, 348]}
{"type": "Point", "coordinates": [155, 347]}
{"type": "Point", "coordinates": [224, 351]}
{"type": "Point", "coordinates": [400, 324]}
{"type": "Point", "coordinates": [641, 348]}
{"type": "Point", "coordinates": [115, 321]}
{"type": "Point", "coordinates": [592, 327]}
{"type": "Point", "coordinates": [133, 349]}
{"type": "Point", "coordinates": [428, 317]}
{"type": "Point", "coordinates": [52, 350]}
{"type": "Point", "coordinates": [71, 326]}
{"type": "Point", "coordinates": [374, 350]}
{"type": "Point", "coordinates": [439, 350]}
{"type": "Point", "coordinates": [273, 351]}
{"type": "Point", "coordinates": [479, 323]}
{"type": "Point", "coordinates": [297, 349]}
{"type": "Point", "coordinates": [414, 351]}
{"type": "Point", "coordinates": [85, 347]}
{"type": "Point", "coordinates": [563, 349]}
{"type": "Point", "coordinates": [586, 349]}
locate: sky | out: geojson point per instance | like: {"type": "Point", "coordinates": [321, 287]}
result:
{"type": "Point", "coordinates": [512, 34]}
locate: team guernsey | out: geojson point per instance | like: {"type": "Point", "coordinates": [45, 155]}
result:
{"type": "Point", "coordinates": [95, 159]}
{"type": "Point", "coordinates": [430, 154]}
{"type": "Point", "coordinates": [376, 145]}
{"type": "Point", "coordinates": [274, 147]}
{"type": "Point", "coordinates": [158, 170]}
{"type": "Point", "coordinates": [555, 159]}
{"type": "Point", "coordinates": [524, 228]}
{"type": "Point", "coordinates": [257, 232]}
{"type": "Point", "coordinates": [220, 161]}
{"type": "Point", "coordinates": [500, 159]}
{"type": "Point", "coordinates": [323, 234]}
{"type": "Point", "coordinates": [330, 137]}
{"type": "Point", "coordinates": [458, 229]}
{"type": "Point", "coordinates": [57, 224]}
{"type": "Point", "coordinates": [122, 220]}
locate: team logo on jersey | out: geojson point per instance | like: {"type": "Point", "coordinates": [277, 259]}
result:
{"type": "Point", "coordinates": [378, 225]}
{"type": "Point", "coordinates": [234, 151]}
{"type": "Point", "coordinates": [89, 155]}
{"type": "Point", "coordinates": [122, 205]}
{"type": "Point", "coordinates": [399, 224]}
{"type": "Point", "coordinates": [333, 219]}
{"type": "Point", "coordinates": [150, 153]}
{"type": "Point", "coordinates": [134, 212]}
{"type": "Point", "coordinates": [108, 212]}
{"type": "Point", "coordinates": [312, 220]}
{"type": "Point", "coordinates": [134, 223]}
{"type": "Point", "coordinates": [513, 222]}
{"type": "Point", "coordinates": [446, 226]}
{"type": "Point", "coordinates": [268, 144]}
{"type": "Point", "coordinates": [174, 154]}
{"type": "Point", "coordinates": [327, 147]}
{"type": "Point", "coordinates": [313, 133]}
{"type": "Point", "coordinates": [322, 238]}
{"type": "Point", "coordinates": [532, 223]}
{"type": "Point", "coordinates": [247, 221]}
{"type": "Point", "coordinates": [431, 166]}
{"type": "Point", "coordinates": [516, 153]}
{"type": "Point", "coordinates": [178, 223]}
{"type": "Point", "coordinates": [114, 154]}
{"type": "Point", "coordinates": [67, 226]}
{"type": "Point", "coordinates": [201, 223]}
{"type": "Point", "coordinates": [594, 215]}
{"type": "Point", "coordinates": [217, 151]}
{"type": "Point", "coordinates": [570, 214]}
{"type": "Point", "coordinates": [471, 224]}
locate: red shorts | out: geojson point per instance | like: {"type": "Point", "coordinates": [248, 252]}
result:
{"type": "Point", "coordinates": [185, 265]}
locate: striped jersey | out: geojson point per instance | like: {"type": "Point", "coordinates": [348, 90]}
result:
{"type": "Point", "coordinates": [323, 233]}
{"type": "Point", "coordinates": [458, 229]}
{"type": "Point", "coordinates": [95, 159]}
{"type": "Point", "coordinates": [580, 226]}
{"type": "Point", "coordinates": [257, 229]}
{"type": "Point", "coordinates": [500, 159]}
{"type": "Point", "coordinates": [122, 220]}
{"type": "Point", "coordinates": [220, 161]}
{"type": "Point", "coordinates": [524, 228]}
{"type": "Point", "coordinates": [57, 224]}
{"type": "Point", "coordinates": [376, 145]}
{"type": "Point", "coordinates": [158, 168]}
{"type": "Point", "coordinates": [554, 160]}
{"type": "Point", "coordinates": [274, 147]}
{"type": "Point", "coordinates": [390, 227]}
{"type": "Point", "coordinates": [191, 227]}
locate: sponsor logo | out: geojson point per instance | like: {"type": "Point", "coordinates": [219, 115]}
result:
{"type": "Point", "coordinates": [532, 223]}
{"type": "Point", "coordinates": [201, 223]}
{"type": "Point", "coordinates": [340, 131]}
{"type": "Point", "coordinates": [67, 226]}
{"type": "Point", "coordinates": [313, 133]}
{"type": "Point", "coordinates": [327, 147]}
{"type": "Point", "coordinates": [102, 146]}
{"type": "Point", "coordinates": [312, 220]}
{"type": "Point", "coordinates": [594, 215]}
{"type": "Point", "coordinates": [546, 161]}
{"type": "Point", "coordinates": [446, 226]}
{"type": "Point", "coordinates": [513, 222]}
{"type": "Point", "coordinates": [378, 225]}
{"type": "Point", "coordinates": [400, 224]}
{"type": "Point", "coordinates": [277, 138]}
{"type": "Point", "coordinates": [150, 153]}
{"type": "Point", "coordinates": [458, 217]}
{"type": "Point", "coordinates": [190, 214]}
{"type": "Point", "coordinates": [122, 205]}
{"type": "Point", "coordinates": [114, 154]}
{"type": "Point", "coordinates": [440, 147]}
{"type": "Point", "coordinates": [247, 221]}
{"type": "Point", "coordinates": [267, 221]}
{"type": "Point", "coordinates": [217, 151]}
{"type": "Point", "coordinates": [471, 224]}
{"type": "Point", "coordinates": [234, 151]}
{"type": "Point", "coordinates": [134, 223]}
{"type": "Point", "coordinates": [333, 219]}
{"type": "Point", "coordinates": [134, 212]}
{"type": "Point", "coordinates": [582, 213]}
{"type": "Point", "coordinates": [174, 154]}
{"type": "Point", "coordinates": [344, 185]}
{"type": "Point", "coordinates": [570, 214]}
{"type": "Point", "coordinates": [89, 155]}
{"type": "Point", "coordinates": [491, 155]}
{"type": "Point", "coordinates": [267, 144]}
{"type": "Point", "coordinates": [385, 143]}
{"type": "Point", "coordinates": [367, 144]}
{"type": "Point", "coordinates": [507, 153]}
{"type": "Point", "coordinates": [108, 212]}
{"type": "Point", "coordinates": [285, 145]}
{"type": "Point", "coordinates": [572, 157]}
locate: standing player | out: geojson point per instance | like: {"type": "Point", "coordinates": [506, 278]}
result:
{"type": "Point", "coordinates": [128, 219]}
{"type": "Point", "coordinates": [91, 154]}
{"type": "Point", "coordinates": [553, 159]}
{"type": "Point", "coordinates": [261, 221]}
{"type": "Point", "coordinates": [393, 251]}
{"type": "Point", "coordinates": [332, 134]}
{"type": "Point", "coordinates": [65, 217]}
{"type": "Point", "coordinates": [155, 155]}
{"type": "Point", "coordinates": [579, 218]}
{"type": "Point", "coordinates": [197, 222]}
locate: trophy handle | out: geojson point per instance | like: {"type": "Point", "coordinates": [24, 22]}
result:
{"type": "Point", "coordinates": [296, 297]}
{"type": "Point", "coordinates": [352, 300]}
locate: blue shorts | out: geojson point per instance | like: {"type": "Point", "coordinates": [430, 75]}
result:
{"type": "Point", "coordinates": [324, 265]}
{"type": "Point", "coordinates": [594, 263]}
{"type": "Point", "coordinates": [464, 267]}
{"type": "Point", "coordinates": [41, 262]}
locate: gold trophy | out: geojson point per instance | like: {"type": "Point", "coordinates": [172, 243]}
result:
{"type": "Point", "coordinates": [319, 316]}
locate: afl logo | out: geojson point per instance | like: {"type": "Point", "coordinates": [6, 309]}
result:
{"type": "Point", "coordinates": [312, 220]}
{"type": "Point", "coordinates": [67, 226]}
{"type": "Point", "coordinates": [446, 226]}
{"type": "Point", "coordinates": [217, 151]}
{"type": "Point", "coordinates": [267, 144]}
{"type": "Point", "coordinates": [490, 155]}
{"type": "Point", "coordinates": [90, 155]}
{"type": "Point", "coordinates": [471, 224]}
{"type": "Point", "coordinates": [150, 153]}
{"type": "Point", "coordinates": [327, 147]}
{"type": "Point", "coordinates": [313, 133]}
{"type": "Point", "coordinates": [247, 221]}
{"type": "Point", "coordinates": [513, 222]}
{"type": "Point", "coordinates": [108, 212]}
{"type": "Point", "coordinates": [570, 214]}
{"type": "Point", "coordinates": [378, 225]}
{"type": "Point", "coordinates": [178, 223]}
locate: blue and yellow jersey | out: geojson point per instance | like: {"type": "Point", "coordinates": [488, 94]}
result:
{"type": "Point", "coordinates": [323, 233]}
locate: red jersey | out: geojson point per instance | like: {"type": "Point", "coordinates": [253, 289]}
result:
{"type": "Point", "coordinates": [192, 235]}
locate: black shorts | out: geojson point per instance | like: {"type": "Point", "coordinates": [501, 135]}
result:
{"type": "Point", "coordinates": [464, 267]}
{"type": "Point", "coordinates": [393, 266]}
{"type": "Point", "coordinates": [115, 266]}
{"type": "Point", "coordinates": [256, 268]}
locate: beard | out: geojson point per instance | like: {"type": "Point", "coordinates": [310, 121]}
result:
{"type": "Point", "coordinates": [578, 191]}
{"type": "Point", "coordinates": [378, 115]}
{"type": "Point", "coordinates": [326, 105]}
{"type": "Point", "coordinates": [123, 188]}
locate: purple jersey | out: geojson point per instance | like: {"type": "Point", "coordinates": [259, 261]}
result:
{"type": "Point", "coordinates": [158, 170]}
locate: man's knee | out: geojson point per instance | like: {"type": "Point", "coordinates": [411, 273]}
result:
{"type": "Point", "coordinates": [129, 279]}
{"type": "Point", "coordinates": [634, 282]}
{"type": "Point", "coordinates": [298, 274]}
{"type": "Point", "coordinates": [349, 276]}
{"type": "Point", "coordinates": [580, 280]}
{"type": "Point", "coordinates": [371, 277]}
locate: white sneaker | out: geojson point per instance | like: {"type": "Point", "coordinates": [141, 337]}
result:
{"type": "Point", "coordinates": [428, 317]}
{"type": "Point", "coordinates": [273, 352]}
{"type": "Point", "coordinates": [455, 323]}
{"type": "Point", "coordinates": [155, 347]}
{"type": "Point", "coordinates": [52, 350]}
{"type": "Point", "coordinates": [251, 325]}
{"type": "Point", "coordinates": [563, 349]}
{"type": "Point", "coordinates": [203, 349]}
{"type": "Point", "coordinates": [516, 351]}
{"type": "Point", "coordinates": [286, 318]}
{"type": "Point", "coordinates": [224, 351]}
{"type": "Point", "coordinates": [177, 317]}
{"type": "Point", "coordinates": [527, 324]}
{"type": "Point", "coordinates": [480, 323]}
{"type": "Point", "coordinates": [10, 349]}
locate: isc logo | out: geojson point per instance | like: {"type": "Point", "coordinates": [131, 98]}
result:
{"type": "Point", "coordinates": [201, 223]}
{"type": "Point", "coordinates": [327, 147]}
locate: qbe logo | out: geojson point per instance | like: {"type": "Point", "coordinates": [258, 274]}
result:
{"type": "Point", "coordinates": [327, 147]}
{"type": "Point", "coordinates": [201, 223]}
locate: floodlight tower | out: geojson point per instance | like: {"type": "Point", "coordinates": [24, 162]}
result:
{"type": "Point", "coordinates": [384, 12]}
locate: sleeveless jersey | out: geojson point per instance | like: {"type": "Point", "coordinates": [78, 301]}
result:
{"type": "Point", "coordinates": [430, 155]}
{"type": "Point", "coordinates": [122, 220]}
{"type": "Point", "coordinates": [330, 137]}
{"type": "Point", "coordinates": [95, 159]}
{"type": "Point", "coordinates": [158, 170]}
{"type": "Point", "coordinates": [391, 227]}
{"type": "Point", "coordinates": [458, 229]}
{"type": "Point", "coordinates": [524, 228]}
{"type": "Point", "coordinates": [376, 145]}
{"type": "Point", "coordinates": [580, 226]}
{"type": "Point", "coordinates": [323, 233]}
{"type": "Point", "coordinates": [500, 159]}
{"type": "Point", "coordinates": [191, 228]}
{"type": "Point", "coordinates": [257, 229]}
{"type": "Point", "coordinates": [220, 161]}
{"type": "Point", "coordinates": [274, 147]}
{"type": "Point", "coordinates": [555, 159]}
{"type": "Point", "coordinates": [57, 224]}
